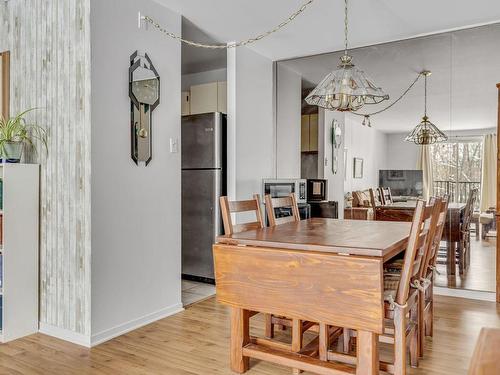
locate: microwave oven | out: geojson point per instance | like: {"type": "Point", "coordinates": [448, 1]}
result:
{"type": "Point", "coordinates": [317, 190]}
{"type": "Point", "coordinates": [279, 188]}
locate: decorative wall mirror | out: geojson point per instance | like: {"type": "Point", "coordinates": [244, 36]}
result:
{"type": "Point", "coordinates": [144, 92]}
{"type": "Point", "coordinates": [4, 84]}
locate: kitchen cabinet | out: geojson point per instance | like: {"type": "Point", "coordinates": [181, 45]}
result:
{"type": "Point", "coordinates": [208, 97]}
{"type": "Point", "coordinates": [309, 133]}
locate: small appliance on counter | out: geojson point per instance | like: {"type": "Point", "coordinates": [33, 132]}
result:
{"type": "Point", "coordinates": [317, 198]}
{"type": "Point", "coordinates": [279, 188]}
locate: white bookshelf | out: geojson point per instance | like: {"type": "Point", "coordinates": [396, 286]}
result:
{"type": "Point", "coordinates": [19, 249]}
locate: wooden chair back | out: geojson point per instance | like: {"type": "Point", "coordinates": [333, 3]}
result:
{"type": "Point", "coordinates": [415, 250]}
{"type": "Point", "coordinates": [443, 212]}
{"type": "Point", "coordinates": [289, 202]}
{"type": "Point", "coordinates": [386, 195]}
{"type": "Point", "coordinates": [432, 233]}
{"type": "Point", "coordinates": [375, 201]}
{"type": "Point", "coordinates": [469, 210]}
{"type": "Point", "coordinates": [229, 207]}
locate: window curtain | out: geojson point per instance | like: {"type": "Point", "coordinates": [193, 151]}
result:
{"type": "Point", "coordinates": [489, 172]}
{"type": "Point", "coordinates": [424, 163]}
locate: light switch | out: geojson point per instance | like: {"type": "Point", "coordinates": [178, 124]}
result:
{"type": "Point", "coordinates": [174, 145]}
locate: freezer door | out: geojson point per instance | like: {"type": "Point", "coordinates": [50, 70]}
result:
{"type": "Point", "coordinates": [201, 220]}
{"type": "Point", "coordinates": [202, 141]}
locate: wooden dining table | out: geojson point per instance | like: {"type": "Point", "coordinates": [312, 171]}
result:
{"type": "Point", "coordinates": [403, 211]}
{"type": "Point", "coordinates": [319, 270]}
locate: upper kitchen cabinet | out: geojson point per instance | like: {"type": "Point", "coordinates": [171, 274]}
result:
{"type": "Point", "coordinates": [309, 133]}
{"type": "Point", "coordinates": [208, 97]}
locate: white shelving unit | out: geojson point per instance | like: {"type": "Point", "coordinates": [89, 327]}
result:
{"type": "Point", "coordinates": [19, 249]}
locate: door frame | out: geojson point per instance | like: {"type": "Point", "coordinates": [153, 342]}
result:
{"type": "Point", "coordinates": [498, 197]}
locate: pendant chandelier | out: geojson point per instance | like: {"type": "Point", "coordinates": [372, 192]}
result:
{"type": "Point", "coordinates": [347, 88]}
{"type": "Point", "coordinates": [426, 132]}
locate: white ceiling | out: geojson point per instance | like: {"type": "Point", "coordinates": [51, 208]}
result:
{"type": "Point", "coordinates": [462, 92]}
{"type": "Point", "coordinates": [195, 59]}
{"type": "Point", "coordinates": [320, 28]}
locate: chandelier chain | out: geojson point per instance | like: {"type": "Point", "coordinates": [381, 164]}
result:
{"type": "Point", "coordinates": [394, 102]}
{"type": "Point", "coordinates": [346, 26]}
{"type": "Point", "coordinates": [234, 44]}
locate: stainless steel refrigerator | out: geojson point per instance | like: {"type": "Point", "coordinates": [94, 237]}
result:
{"type": "Point", "coordinates": [203, 140]}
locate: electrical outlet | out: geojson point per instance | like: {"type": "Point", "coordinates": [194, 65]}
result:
{"type": "Point", "coordinates": [174, 145]}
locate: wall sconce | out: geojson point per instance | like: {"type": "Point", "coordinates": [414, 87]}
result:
{"type": "Point", "coordinates": [336, 134]}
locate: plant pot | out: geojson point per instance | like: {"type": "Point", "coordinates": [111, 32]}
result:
{"type": "Point", "coordinates": [12, 152]}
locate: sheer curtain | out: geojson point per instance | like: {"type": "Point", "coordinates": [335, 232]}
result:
{"type": "Point", "coordinates": [424, 163]}
{"type": "Point", "coordinates": [489, 172]}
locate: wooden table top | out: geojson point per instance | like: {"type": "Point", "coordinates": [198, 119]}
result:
{"type": "Point", "coordinates": [352, 237]}
{"type": "Point", "coordinates": [412, 204]}
{"type": "Point", "coordinates": [485, 358]}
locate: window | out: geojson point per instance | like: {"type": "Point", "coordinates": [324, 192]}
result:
{"type": "Point", "coordinates": [457, 168]}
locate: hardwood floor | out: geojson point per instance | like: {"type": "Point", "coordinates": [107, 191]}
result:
{"type": "Point", "coordinates": [481, 274]}
{"type": "Point", "coordinates": [196, 342]}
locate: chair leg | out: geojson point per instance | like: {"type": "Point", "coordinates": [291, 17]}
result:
{"type": "Point", "coordinates": [429, 318]}
{"type": "Point", "coordinates": [421, 324]}
{"type": "Point", "coordinates": [461, 257]}
{"type": "Point", "coordinates": [347, 340]}
{"type": "Point", "coordinates": [476, 227]}
{"type": "Point", "coordinates": [399, 342]}
{"type": "Point", "coordinates": [416, 347]}
{"type": "Point", "coordinates": [269, 326]}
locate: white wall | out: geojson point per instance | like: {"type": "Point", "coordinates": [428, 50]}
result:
{"type": "Point", "coordinates": [136, 211]}
{"type": "Point", "coordinates": [400, 154]}
{"type": "Point", "coordinates": [193, 79]}
{"type": "Point", "coordinates": [288, 122]}
{"type": "Point", "coordinates": [369, 144]}
{"type": "Point", "coordinates": [325, 157]}
{"type": "Point", "coordinates": [251, 134]}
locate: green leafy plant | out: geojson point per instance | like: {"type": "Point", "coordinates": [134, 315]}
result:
{"type": "Point", "coordinates": [17, 130]}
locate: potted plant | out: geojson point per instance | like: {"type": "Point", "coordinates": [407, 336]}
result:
{"type": "Point", "coordinates": [15, 133]}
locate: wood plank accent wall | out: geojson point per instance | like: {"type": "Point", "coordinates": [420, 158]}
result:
{"type": "Point", "coordinates": [50, 70]}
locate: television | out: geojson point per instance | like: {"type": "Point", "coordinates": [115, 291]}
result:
{"type": "Point", "coordinates": [405, 183]}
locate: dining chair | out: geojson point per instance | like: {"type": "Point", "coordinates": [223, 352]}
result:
{"type": "Point", "coordinates": [233, 207]}
{"type": "Point", "coordinates": [386, 195]}
{"type": "Point", "coordinates": [375, 200]}
{"type": "Point", "coordinates": [464, 246]}
{"type": "Point", "coordinates": [288, 207]}
{"type": "Point", "coordinates": [428, 273]}
{"type": "Point", "coordinates": [298, 327]}
{"type": "Point", "coordinates": [401, 296]}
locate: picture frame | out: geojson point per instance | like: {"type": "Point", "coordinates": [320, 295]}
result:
{"type": "Point", "coordinates": [396, 175]}
{"type": "Point", "coordinates": [358, 168]}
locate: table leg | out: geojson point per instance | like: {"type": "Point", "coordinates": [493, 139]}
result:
{"type": "Point", "coordinates": [367, 348]}
{"type": "Point", "coordinates": [451, 258]}
{"type": "Point", "coordinates": [240, 336]}
{"type": "Point", "coordinates": [297, 339]}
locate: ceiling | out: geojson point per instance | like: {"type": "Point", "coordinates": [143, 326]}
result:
{"type": "Point", "coordinates": [462, 92]}
{"type": "Point", "coordinates": [320, 28]}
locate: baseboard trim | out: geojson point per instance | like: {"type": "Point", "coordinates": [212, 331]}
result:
{"type": "Point", "coordinates": [121, 329]}
{"type": "Point", "coordinates": [65, 334]}
{"type": "Point", "coordinates": [464, 293]}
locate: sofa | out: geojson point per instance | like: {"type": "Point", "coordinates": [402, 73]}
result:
{"type": "Point", "coordinates": [361, 206]}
